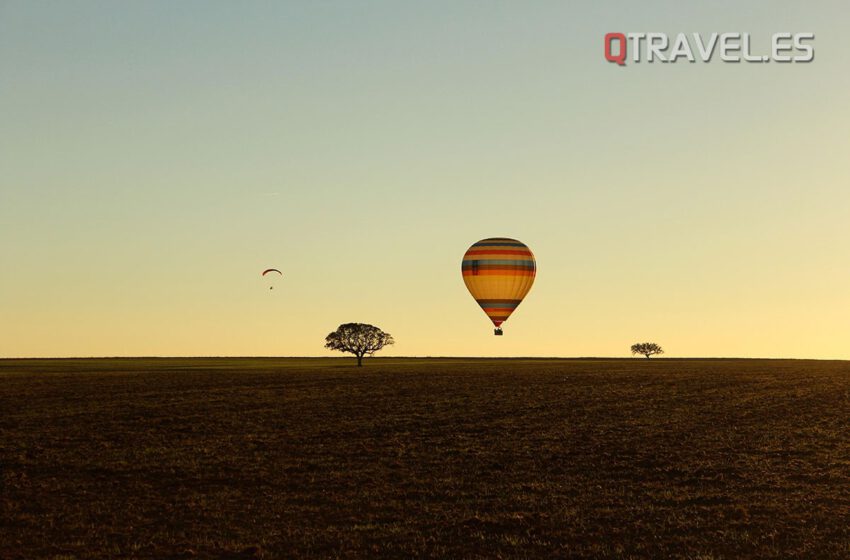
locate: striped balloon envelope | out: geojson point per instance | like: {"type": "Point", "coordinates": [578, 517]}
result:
{"type": "Point", "coordinates": [498, 272]}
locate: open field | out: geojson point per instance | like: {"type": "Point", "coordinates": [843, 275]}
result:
{"type": "Point", "coordinates": [453, 458]}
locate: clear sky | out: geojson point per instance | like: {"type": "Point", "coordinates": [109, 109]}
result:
{"type": "Point", "coordinates": [155, 157]}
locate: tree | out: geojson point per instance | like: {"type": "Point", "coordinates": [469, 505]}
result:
{"type": "Point", "coordinates": [359, 339]}
{"type": "Point", "coordinates": [646, 348]}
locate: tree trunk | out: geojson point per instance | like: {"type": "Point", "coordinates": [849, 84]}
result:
{"type": "Point", "coordinates": [647, 356]}
{"type": "Point", "coordinates": [359, 360]}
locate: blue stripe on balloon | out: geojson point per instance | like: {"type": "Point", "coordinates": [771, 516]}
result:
{"type": "Point", "coordinates": [497, 305]}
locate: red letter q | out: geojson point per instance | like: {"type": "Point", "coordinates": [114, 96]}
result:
{"type": "Point", "coordinates": [620, 57]}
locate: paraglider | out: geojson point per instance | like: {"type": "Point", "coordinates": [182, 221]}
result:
{"type": "Point", "coordinates": [498, 272]}
{"type": "Point", "coordinates": [269, 270]}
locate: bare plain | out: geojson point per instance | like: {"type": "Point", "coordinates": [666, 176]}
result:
{"type": "Point", "coordinates": [414, 458]}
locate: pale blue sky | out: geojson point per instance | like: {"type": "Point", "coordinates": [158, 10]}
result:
{"type": "Point", "coordinates": [155, 157]}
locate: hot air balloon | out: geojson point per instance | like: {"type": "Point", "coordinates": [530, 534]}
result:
{"type": "Point", "coordinates": [498, 272]}
{"type": "Point", "coordinates": [271, 270]}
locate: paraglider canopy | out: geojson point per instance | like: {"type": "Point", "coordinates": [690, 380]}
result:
{"type": "Point", "coordinates": [271, 270]}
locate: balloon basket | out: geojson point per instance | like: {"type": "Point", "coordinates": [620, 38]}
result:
{"type": "Point", "coordinates": [497, 331]}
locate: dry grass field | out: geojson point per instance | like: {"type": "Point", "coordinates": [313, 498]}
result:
{"type": "Point", "coordinates": [448, 458]}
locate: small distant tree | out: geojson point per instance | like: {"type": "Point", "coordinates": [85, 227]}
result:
{"type": "Point", "coordinates": [359, 339]}
{"type": "Point", "coordinates": [647, 349]}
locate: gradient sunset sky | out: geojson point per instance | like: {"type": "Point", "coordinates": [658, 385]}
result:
{"type": "Point", "coordinates": [155, 157]}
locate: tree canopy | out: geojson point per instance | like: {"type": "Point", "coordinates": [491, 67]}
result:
{"type": "Point", "coordinates": [359, 339]}
{"type": "Point", "coordinates": [647, 349]}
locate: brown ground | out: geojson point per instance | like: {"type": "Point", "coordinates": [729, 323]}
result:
{"type": "Point", "coordinates": [279, 458]}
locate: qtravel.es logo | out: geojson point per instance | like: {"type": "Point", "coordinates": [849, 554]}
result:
{"type": "Point", "coordinates": [623, 48]}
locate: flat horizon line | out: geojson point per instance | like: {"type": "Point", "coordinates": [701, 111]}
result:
{"type": "Point", "coordinates": [379, 358]}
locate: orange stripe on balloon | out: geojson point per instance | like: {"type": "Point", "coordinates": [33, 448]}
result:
{"type": "Point", "coordinates": [499, 252]}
